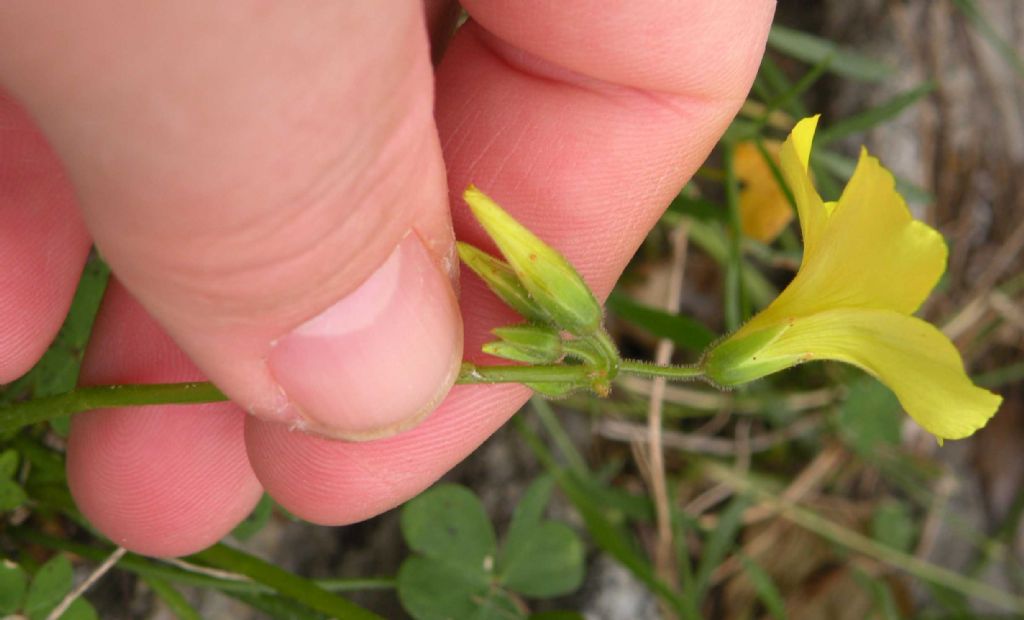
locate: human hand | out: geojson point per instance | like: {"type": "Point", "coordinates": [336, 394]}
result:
{"type": "Point", "coordinates": [269, 183]}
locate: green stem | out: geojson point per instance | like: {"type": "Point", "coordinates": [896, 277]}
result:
{"type": "Point", "coordinates": [357, 585]}
{"type": "Point", "coordinates": [22, 414]}
{"type": "Point", "coordinates": [647, 369]}
{"type": "Point", "coordinates": [471, 374]}
{"type": "Point", "coordinates": [18, 415]}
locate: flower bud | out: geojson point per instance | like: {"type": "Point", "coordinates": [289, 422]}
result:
{"type": "Point", "coordinates": [526, 343]}
{"type": "Point", "coordinates": [502, 280]}
{"type": "Point", "coordinates": [551, 281]}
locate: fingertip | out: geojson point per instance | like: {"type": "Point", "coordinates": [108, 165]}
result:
{"type": "Point", "coordinates": [160, 480]}
{"type": "Point", "coordinates": [43, 242]}
{"type": "Point", "coordinates": [337, 483]}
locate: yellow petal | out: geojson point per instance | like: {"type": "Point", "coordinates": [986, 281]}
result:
{"type": "Point", "coordinates": [868, 252]}
{"type": "Point", "coordinates": [764, 208]}
{"type": "Point", "coordinates": [918, 363]}
{"type": "Point", "coordinates": [877, 255]}
{"type": "Point", "coordinates": [793, 161]}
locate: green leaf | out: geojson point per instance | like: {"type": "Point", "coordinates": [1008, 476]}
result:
{"type": "Point", "coordinates": [49, 585]}
{"type": "Point", "coordinates": [448, 522]}
{"type": "Point", "coordinates": [432, 589]}
{"type": "Point", "coordinates": [869, 417]}
{"type": "Point", "coordinates": [530, 508]}
{"type": "Point", "coordinates": [608, 534]}
{"type": "Point", "coordinates": [542, 560]}
{"type": "Point", "coordinates": [686, 332]}
{"type": "Point", "coordinates": [11, 495]}
{"type": "Point", "coordinates": [80, 609]}
{"type": "Point", "coordinates": [765, 587]}
{"type": "Point", "coordinates": [13, 582]}
{"type": "Point", "coordinates": [873, 117]}
{"type": "Point", "coordinates": [538, 558]}
{"type": "Point", "coordinates": [813, 50]}
{"type": "Point", "coordinates": [8, 463]}
{"type": "Point", "coordinates": [256, 519]}
{"type": "Point", "coordinates": [893, 526]}
{"type": "Point", "coordinates": [57, 371]}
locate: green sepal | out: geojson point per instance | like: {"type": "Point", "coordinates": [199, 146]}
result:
{"type": "Point", "coordinates": [741, 358]}
{"type": "Point", "coordinates": [550, 280]}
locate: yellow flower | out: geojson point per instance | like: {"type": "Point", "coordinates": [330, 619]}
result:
{"type": "Point", "coordinates": [764, 208]}
{"type": "Point", "coordinates": [867, 266]}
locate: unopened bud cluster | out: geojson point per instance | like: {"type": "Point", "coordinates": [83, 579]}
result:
{"type": "Point", "coordinates": [563, 318]}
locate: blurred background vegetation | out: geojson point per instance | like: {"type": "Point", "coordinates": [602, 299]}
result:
{"type": "Point", "coordinates": [807, 495]}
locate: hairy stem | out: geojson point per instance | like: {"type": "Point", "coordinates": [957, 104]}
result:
{"type": "Point", "coordinates": [83, 399]}
{"type": "Point", "coordinates": [18, 415]}
{"type": "Point", "coordinates": [647, 369]}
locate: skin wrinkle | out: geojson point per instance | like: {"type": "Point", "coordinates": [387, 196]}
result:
{"type": "Point", "coordinates": [575, 27]}
{"type": "Point", "coordinates": [495, 137]}
{"type": "Point", "coordinates": [511, 150]}
{"type": "Point", "coordinates": [560, 76]}
{"type": "Point", "coordinates": [467, 104]}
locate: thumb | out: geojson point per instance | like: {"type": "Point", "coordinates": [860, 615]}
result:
{"type": "Point", "coordinates": [268, 182]}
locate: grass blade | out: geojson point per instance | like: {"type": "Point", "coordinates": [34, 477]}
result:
{"type": "Point", "coordinates": [812, 49]}
{"type": "Point", "coordinates": [734, 298]}
{"type": "Point", "coordinates": [283, 582]}
{"type": "Point", "coordinates": [973, 12]}
{"type": "Point", "coordinates": [873, 117]}
{"type": "Point", "coordinates": [718, 544]}
{"type": "Point", "coordinates": [765, 588]}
